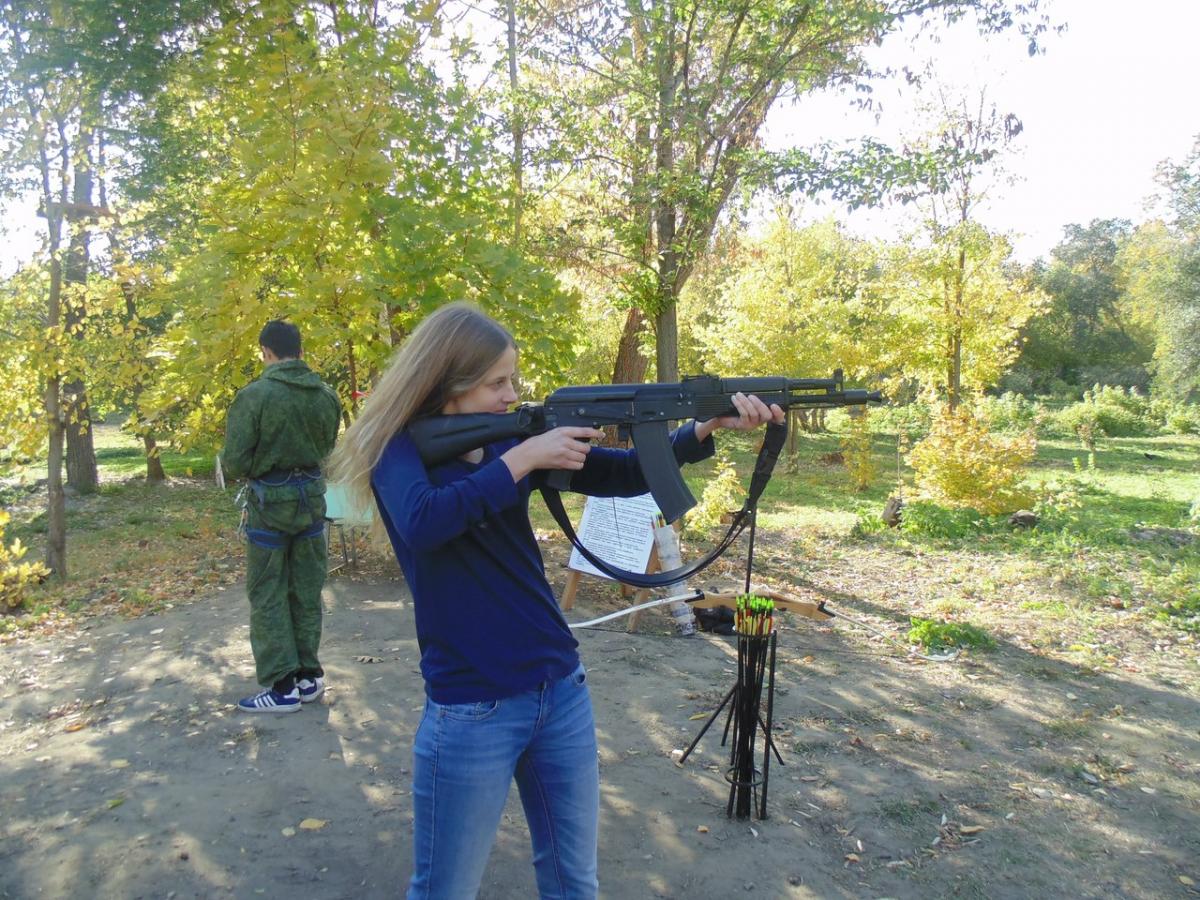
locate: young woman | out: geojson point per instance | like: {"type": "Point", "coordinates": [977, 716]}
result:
{"type": "Point", "coordinates": [505, 691]}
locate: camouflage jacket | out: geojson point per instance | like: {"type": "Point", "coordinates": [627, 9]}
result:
{"type": "Point", "coordinates": [286, 419]}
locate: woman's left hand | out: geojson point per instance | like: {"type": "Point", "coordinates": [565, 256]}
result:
{"type": "Point", "coordinates": [752, 412]}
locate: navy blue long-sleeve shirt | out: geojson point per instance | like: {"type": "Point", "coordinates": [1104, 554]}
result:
{"type": "Point", "coordinates": [488, 624]}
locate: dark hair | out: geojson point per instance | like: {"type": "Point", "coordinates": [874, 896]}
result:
{"type": "Point", "coordinates": [281, 338]}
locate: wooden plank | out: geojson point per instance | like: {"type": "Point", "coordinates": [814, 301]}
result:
{"type": "Point", "coordinates": [568, 597]}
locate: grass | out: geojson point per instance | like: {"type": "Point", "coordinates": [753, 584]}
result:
{"type": "Point", "coordinates": [908, 812]}
{"type": "Point", "coordinates": [132, 546]}
{"type": "Point", "coordinates": [1122, 542]}
{"type": "Point", "coordinates": [936, 637]}
{"type": "Point", "coordinates": [122, 458]}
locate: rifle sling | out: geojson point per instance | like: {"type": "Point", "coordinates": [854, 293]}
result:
{"type": "Point", "coordinates": [768, 455]}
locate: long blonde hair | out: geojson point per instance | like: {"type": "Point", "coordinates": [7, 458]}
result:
{"type": "Point", "coordinates": [447, 354]}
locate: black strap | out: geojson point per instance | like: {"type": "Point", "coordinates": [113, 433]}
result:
{"type": "Point", "coordinates": [768, 455]}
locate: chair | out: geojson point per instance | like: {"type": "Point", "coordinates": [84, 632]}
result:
{"type": "Point", "coordinates": [341, 513]}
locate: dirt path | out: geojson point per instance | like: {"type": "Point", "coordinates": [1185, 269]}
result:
{"type": "Point", "coordinates": [127, 773]}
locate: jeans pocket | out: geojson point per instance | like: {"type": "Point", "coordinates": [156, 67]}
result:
{"type": "Point", "coordinates": [467, 712]}
{"type": "Point", "coordinates": [579, 676]}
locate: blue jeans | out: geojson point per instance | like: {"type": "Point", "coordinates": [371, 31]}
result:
{"type": "Point", "coordinates": [465, 756]}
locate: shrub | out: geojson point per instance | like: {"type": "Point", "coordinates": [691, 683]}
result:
{"type": "Point", "coordinates": [1132, 377]}
{"type": "Point", "coordinates": [722, 493]}
{"type": "Point", "coordinates": [16, 577]}
{"type": "Point", "coordinates": [1009, 412]}
{"type": "Point", "coordinates": [1107, 411]}
{"type": "Point", "coordinates": [1183, 421]}
{"type": "Point", "coordinates": [866, 524]}
{"type": "Point", "coordinates": [936, 637]}
{"type": "Point", "coordinates": [1174, 417]}
{"type": "Point", "coordinates": [1079, 420]}
{"type": "Point", "coordinates": [926, 519]}
{"type": "Point", "coordinates": [1182, 586]}
{"type": "Point", "coordinates": [912, 419]}
{"type": "Point", "coordinates": [856, 450]}
{"type": "Point", "coordinates": [1019, 380]}
{"type": "Point", "coordinates": [961, 464]}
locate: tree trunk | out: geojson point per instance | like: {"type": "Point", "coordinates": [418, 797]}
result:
{"type": "Point", "coordinates": [56, 507]}
{"type": "Point", "coordinates": [518, 127]}
{"type": "Point", "coordinates": [665, 218]}
{"type": "Point", "coordinates": [630, 365]}
{"type": "Point", "coordinates": [154, 468]}
{"type": "Point", "coordinates": [82, 475]}
{"type": "Point", "coordinates": [955, 387]}
{"type": "Point", "coordinates": [56, 504]}
{"type": "Point", "coordinates": [954, 394]}
{"type": "Point", "coordinates": [352, 368]}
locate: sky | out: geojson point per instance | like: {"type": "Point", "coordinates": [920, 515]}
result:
{"type": "Point", "coordinates": [1111, 98]}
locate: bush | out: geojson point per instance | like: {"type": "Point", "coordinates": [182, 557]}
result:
{"type": "Point", "coordinates": [1009, 412]}
{"type": "Point", "coordinates": [867, 524]}
{"type": "Point", "coordinates": [926, 519]}
{"type": "Point", "coordinates": [1079, 420]}
{"type": "Point", "coordinates": [1182, 585]}
{"type": "Point", "coordinates": [937, 637]}
{"type": "Point", "coordinates": [912, 419]}
{"type": "Point", "coordinates": [856, 450]}
{"type": "Point", "coordinates": [1131, 400]}
{"type": "Point", "coordinates": [1019, 380]}
{"type": "Point", "coordinates": [1131, 377]}
{"type": "Point", "coordinates": [16, 577]}
{"type": "Point", "coordinates": [961, 464]}
{"type": "Point", "coordinates": [722, 493]}
{"type": "Point", "coordinates": [1106, 412]}
{"type": "Point", "coordinates": [1174, 417]}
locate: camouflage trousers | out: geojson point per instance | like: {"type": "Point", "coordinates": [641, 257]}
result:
{"type": "Point", "coordinates": [284, 587]}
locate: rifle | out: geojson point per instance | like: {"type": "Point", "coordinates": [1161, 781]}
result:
{"type": "Point", "coordinates": [641, 412]}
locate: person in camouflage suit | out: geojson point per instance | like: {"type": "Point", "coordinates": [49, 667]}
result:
{"type": "Point", "coordinates": [279, 430]}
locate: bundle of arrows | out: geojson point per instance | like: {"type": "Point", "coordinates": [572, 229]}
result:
{"type": "Point", "coordinates": [754, 625]}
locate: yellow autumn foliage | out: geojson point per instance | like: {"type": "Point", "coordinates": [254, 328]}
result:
{"type": "Point", "coordinates": [16, 576]}
{"type": "Point", "coordinates": [856, 451]}
{"type": "Point", "coordinates": [723, 493]}
{"type": "Point", "coordinates": [960, 463]}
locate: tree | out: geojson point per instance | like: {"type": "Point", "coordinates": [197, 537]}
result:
{"type": "Point", "coordinates": [64, 69]}
{"type": "Point", "coordinates": [805, 292]}
{"type": "Point", "coordinates": [808, 296]}
{"type": "Point", "coordinates": [356, 193]}
{"type": "Point", "coordinates": [1161, 269]}
{"type": "Point", "coordinates": [969, 138]}
{"type": "Point", "coordinates": [679, 91]}
{"type": "Point", "coordinates": [956, 310]}
{"type": "Point", "coordinates": [1087, 334]}
{"type": "Point", "coordinates": [36, 142]}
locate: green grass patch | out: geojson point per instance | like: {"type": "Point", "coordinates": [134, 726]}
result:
{"type": "Point", "coordinates": [122, 456]}
{"type": "Point", "coordinates": [132, 546]}
{"type": "Point", "coordinates": [937, 637]}
{"type": "Point", "coordinates": [1054, 609]}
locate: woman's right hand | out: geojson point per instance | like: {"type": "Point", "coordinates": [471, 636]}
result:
{"type": "Point", "coordinates": [559, 448]}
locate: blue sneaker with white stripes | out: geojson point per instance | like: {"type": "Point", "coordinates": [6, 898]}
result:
{"type": "Point", "coordinates": [271, 701]}
{"type": "Point", "coordinates": [310, 689]}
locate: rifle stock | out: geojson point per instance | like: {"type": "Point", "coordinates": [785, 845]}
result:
{"type": "Point", "coordinates": [640, 411]}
